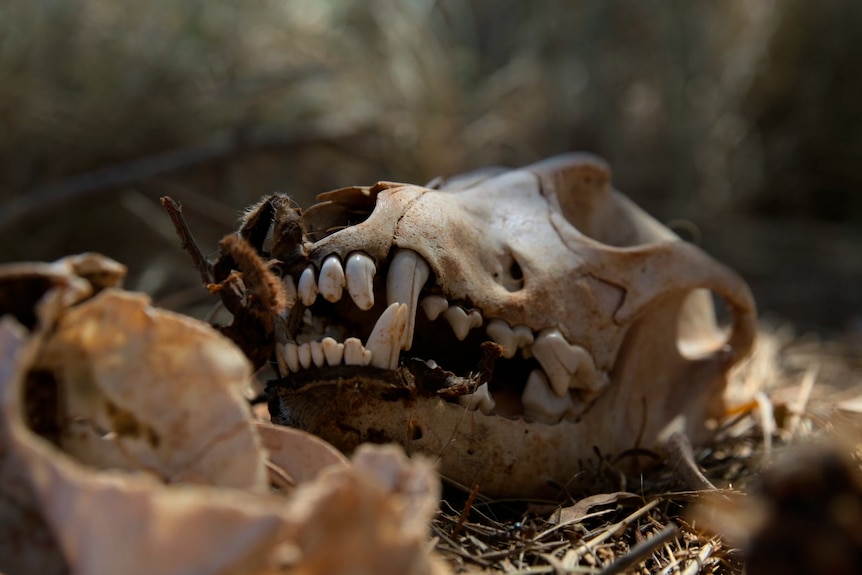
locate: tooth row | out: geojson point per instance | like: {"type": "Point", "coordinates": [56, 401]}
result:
{"type": "Point", "coordinates": [357, 276]}
{"type": "Point", "coordinates": [294, 357]}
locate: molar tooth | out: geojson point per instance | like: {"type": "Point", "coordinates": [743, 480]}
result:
{"type": "Point", "coordinates": [481, 399]}
{"type": "Point", "coordinates": [523, 335]}
{"type": "Point", "coordinates": [331, 281]}
{"type": "Point", "coordinates": [355, 353]}
{"type": "Point", "coordinates": [307, 287]}
{"type": "Point", "coordinates": [408, 272]}
{"type": "Point", "coordinates": [434, 305]}
{"type": "Point", "coordinates": [567, 365]}
{"type": "Point", "coordinates": [360, 272]}
{"type": "Point", "coordinates": [289, 290]}
{"type": "Point", "coordinates": [461, 321]}
{"type": "Point", "coordinates": [384, 343]}
{"type": "Point", "coordinates": [317, 356]}
{"type": "Point", "coordinates": [540, 402]}
{"type": "Point", "coordinates": [333, 350]}
{"type": "Point", "coordinates": [291, 356]}
{"type": "Point", "coordinates": [304, 353]}
{"type": "Point", "coordinates": [500, 332]}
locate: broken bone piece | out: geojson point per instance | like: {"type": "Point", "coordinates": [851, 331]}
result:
{"type": "Point", "coordinates": [603, 319]}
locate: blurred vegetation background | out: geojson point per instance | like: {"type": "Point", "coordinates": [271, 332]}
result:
{"type": "Point", "coordinates": [737, 122]}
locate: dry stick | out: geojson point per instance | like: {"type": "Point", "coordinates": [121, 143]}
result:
{"type": "Point", "coordinates": [590, 545]}
{"type": "Point", "coordinates": [187, 240]}
{"type": "Point", "coordinates": [699, 562]}
{"type": "Point", "coordinates": [640, 551]}
{"type": "Point", "coordinates": [465, 511]}
{"type": "Point", "coordinates": [682, 456]}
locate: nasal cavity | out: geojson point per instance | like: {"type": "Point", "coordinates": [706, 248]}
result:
{"type": "Point", "coordinates": [703, 324]}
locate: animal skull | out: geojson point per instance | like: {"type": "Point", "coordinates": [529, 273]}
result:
{"type": "Point", "coordinates": [603, 319]}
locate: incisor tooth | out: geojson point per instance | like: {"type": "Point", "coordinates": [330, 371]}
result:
{"type": "Point", "coordinates": [567, 365]}
{"type": "Point", "coordinates": [291, 356]}
{"type": "Point", "coordinates": [408, 272]}
{"type": "Point", "coordinates": [317, 356]}
{"type": "Point", "coordinates": [360, 272]}
{"type": "Point", "coordinates": [384, 343]}
{"type": "Point", "coordinates": [304, 353]}
{"type": "Point", "coordinates": [283, 370]}
{"type": "Point", "coordinates": [331, 281]}
{"type": "Point", "coordinates": [500, 332]}
{"type": "Point", "coordinates": [481, 399]}
{"type": "Point", "coordinates": [333, 350]}
{"type": "Point", "coordinates": [354, 353]}
{"type": "Point", "coordinates": [540, 403]}
{"type": "Point", "coordinates": [434, 305]}
{"type": "Point", "coordinates": [461, 321]}
{"type": "Point", "coordinates": [307, 287]}
{"type": "Point", "coordinates": [289, 290]}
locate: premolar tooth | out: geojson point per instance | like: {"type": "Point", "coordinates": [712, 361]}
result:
{"type": "Point", "coordinates": [408, 272]}
{"type": "Point", "coordinates": [360, 272]}
{"type": "Point", "coordinates": [567, 365]}
{"type": "Point", "coordinates": [500, 332]}
{"type": "Point", "coordinates": [291, 356]}
{"type": "Point", "coordinates": [304, 353]}
{"type": "Point", "coordinates": [317, 356]}
{"type": "Point", "coordinates": [307, 287]}
{"type": "Point", "coordinates": [434, 305]}
{"type": "Point", "coordinates": [524, 337]}
{"type": "Point", "coordinates": [540, 402]}
{"type": "Point", "coordinates": [461, 321]}
{"type": "Point", "coordinates": [384, 343]}
{"type": "Point", "coordinates": [354, 353]}
{"type": "Point", "coordinates": [333, 350]}
{"type": "Point", "coordinates": [289, 290]}
{"type": "Point", "coordinates": [481, 399]}
{"type": "Point", "coordinates": [331, 281]}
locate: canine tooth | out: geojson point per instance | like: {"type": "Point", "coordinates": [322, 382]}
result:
{"type": "Point", "coordinates": [384, 343]}
{"type": "Point", "coordinates": [333, 350]}
{"type": "Point", "coordinates": [354, 353]}
{"type": "Point", "coordinates": [289, 290]}
{"type": "Point", "coordinates": [291, 356]}
{"type": "Point", "coordinates": [317, 356]}
{"type": "Point", "coordinates": [540, 402]}
{"type": "Point", "coordinates": [434, 305]}
{"type": "Point", "coordinates": [304, 353]}
{"type": "Point", "coordinates": [331, 281]}
{"type": "Point", "coordinates": [481, 399]}
{"type": "Point", "coordinates": [307, 287]}
{"type": "Point", "coordinates": [408, 272]}
{"type": "Point", "coordinates": [567, 365]}
{"type": "Point", "coordinates": [461, 321]}
{"type": "Point", "coordinates": [500, 332]}
{"type": "Point", "coordinates": [360, 272]}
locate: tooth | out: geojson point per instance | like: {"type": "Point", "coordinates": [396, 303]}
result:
{"type": "Point", "coordinates": [283, 369]}
{"type": "Point", "coordinates": [461, 321]}
{"type": "Point", "coordinates": [354, 353]}
{"type": "Point", "coordinates": [499, 331]}
{"type": "Point", "coordinates": [360, 272]}
{"type": "Point", "coordinates": [317, 356]}
{"type": "Point", "coordinates": [304, 353]}
{"type": "Point", "coordinates": [408, 272]}
{"type": "Point", "coordinates": [331, 281]}
{"type": "Point", "coordinates": [567, 365]}
{"type": "Point", "coordinates": [384, 343]}
{"type": "Point", "coordinates": [291, 356]}
{"type": "Point", "coordinates": [540, 403]}
{"type": "Point", "coordinates": [434, 305]}
{"type": "Point", "coordinates": [289, 290]}
{"type": "Point", "coordinates": [307, 287]}
{"type": "Point", "coordinates": [333, 350]}
{"type": "Point", "coordinates": [480, 399]}
{"type": "Point", "coordinates": [524, 337]}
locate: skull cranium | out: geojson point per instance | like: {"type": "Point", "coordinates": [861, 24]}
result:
{"type": "Point", "coordinates": [604, 319]}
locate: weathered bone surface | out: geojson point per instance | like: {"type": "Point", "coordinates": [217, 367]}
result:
{"type": "Point", "coordinates": [606, 331]}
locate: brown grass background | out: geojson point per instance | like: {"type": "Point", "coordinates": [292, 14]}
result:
{"type": "Point", "coordinates": [738, 122]}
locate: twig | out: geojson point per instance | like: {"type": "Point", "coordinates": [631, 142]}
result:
{"type": "Point", "coordinates": [798, 407]}
{"type": "Point", "coordinates": [187, 240]}
{"type": "Point", "coordinates": [464, 512]}
{"type": "Point", "coordinates": [641, 550]}
{"type": "Point", "coordinates": [697, 565]}
{"type": "Point", "coordinates": [573, 556]}
{"type": "Point", "coordinates": [682, 456]}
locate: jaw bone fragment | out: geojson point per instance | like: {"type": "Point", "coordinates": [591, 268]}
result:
{"type": "Point", "coordinates": [595, 305]}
